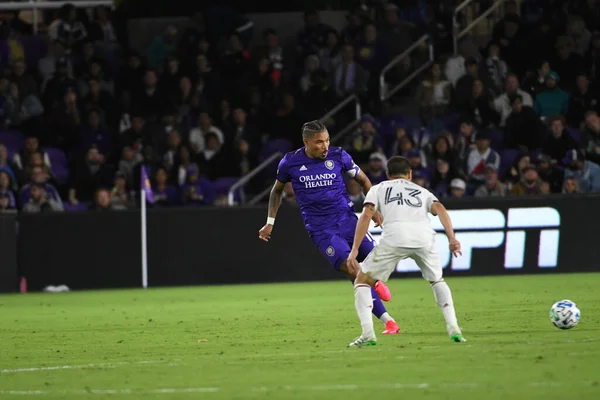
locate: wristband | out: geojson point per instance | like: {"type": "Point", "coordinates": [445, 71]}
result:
{"type": "Point", "coordinates": [270, 221]}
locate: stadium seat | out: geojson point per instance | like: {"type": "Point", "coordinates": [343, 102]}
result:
{"type": "Point", "coordinates": [508, 158]}
{"type": "Point", "coordinates": [575, 134]}
{"type": "Point", "coordinates": [78, 207]}
{"type": "Point", "coordinates": [222, 186]}
{"type": "Point", "coordinates": [12, 139]}
{"type": "Point", "coordinates": [60, 165]}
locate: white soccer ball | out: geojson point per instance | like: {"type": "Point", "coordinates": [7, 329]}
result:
{"type": "Point", "coordinates": [564, 314]}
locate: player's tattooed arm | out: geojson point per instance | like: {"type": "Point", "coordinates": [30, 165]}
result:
{"type": "Point", "coordinates": [362, 227]}
{"type": "Point", "coordinates": [363, 180]}
{"type": "Point", "coordinates": [275, 198]}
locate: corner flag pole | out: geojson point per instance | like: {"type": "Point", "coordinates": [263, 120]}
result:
{"type": "Point", "coordinates": [144, 243]}
{"type": "Point", "coordinates": [146, 194]}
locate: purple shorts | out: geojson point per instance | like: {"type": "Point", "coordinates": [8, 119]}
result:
{"type": "Point", "coordinates": [336, 245]}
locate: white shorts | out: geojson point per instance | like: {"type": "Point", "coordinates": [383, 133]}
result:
{"type": "Point", "coordinates": [382, 261]}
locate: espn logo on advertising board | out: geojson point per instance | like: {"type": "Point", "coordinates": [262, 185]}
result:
{"type": "Point", "coordinates": [491, 228]}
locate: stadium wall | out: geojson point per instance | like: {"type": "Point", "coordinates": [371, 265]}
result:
{"type": "Point", "coordinates": [8, 253]}
{"type": "Point", "coordinates": [221, 246]}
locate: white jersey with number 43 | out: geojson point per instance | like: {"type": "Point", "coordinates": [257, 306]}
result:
{"type": "Point", "coordinates": [405, 207]}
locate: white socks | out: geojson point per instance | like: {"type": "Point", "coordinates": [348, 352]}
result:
{"type": "Point", "coordinates": [385, 318]}
{"type": "Point", "coordinates": [364, 306]}
{"type": "Point", "coordinates": [443, 296]}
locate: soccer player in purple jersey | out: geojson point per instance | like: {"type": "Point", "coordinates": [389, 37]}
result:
{"type": "Point", "coordinates": [316, 173]}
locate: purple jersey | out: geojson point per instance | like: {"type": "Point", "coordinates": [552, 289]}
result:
{"type": "Point", "coordinates": [319, 186]}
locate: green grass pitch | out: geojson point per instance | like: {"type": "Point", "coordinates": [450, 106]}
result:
{"type": "Point", "coordinates": [288, 341]}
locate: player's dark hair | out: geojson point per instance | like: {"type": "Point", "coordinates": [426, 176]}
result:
{"type": "Point", "coordinates": [398, 166]}
{"type": "Point", "coordinates": [311, 127]}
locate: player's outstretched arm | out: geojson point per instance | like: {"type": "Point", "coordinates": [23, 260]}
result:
{"type": "Point", "coordinates": [365, 182]}
{"type": "Point", "coordinates": [274, 203]}
{"type": "Point", "coordinates": [361, 229]}
{"type": "Point", "coordinates": [438, 209]}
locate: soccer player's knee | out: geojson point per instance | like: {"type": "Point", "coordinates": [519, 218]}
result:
{"type": "Point", "coordinates": [433, 283]}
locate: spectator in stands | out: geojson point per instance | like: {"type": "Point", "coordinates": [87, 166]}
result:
{"type": "Point", "coordinates": [509, 35]}
{"type": "Point", "coordinates": [371, 52]}
{"type": "Point", "coordinates": [102, 201]}
{"type": "Point", "coordinates": [5, 204]}
{"type": "Point", "coordinates": [171, 76]}
{"type": "Point", "coordinates": [553, 100]}
{"type": "Point", "coordinates": [235, 65]}
{"type": "Point", "coordinates": [96, 70]}
{"type": "Point", "coordinates": [165, 194]}
{"type": "Point", "coordinates": [560, 140]}
{"type": "Point", "coordinates": [579, 34]}
{"type": "Point", "coordinates": [68, 27]}
{"type": "Point", "coordinates": [492, 186]}
{"type": "Point", "coordinates": [455, 67]}
{"type": "Point", "coordinates": [244, 158]}
{"type": "Point", "coordinates": [478, 158]}
{"type": "Point", "coordinates": [122, 197]}
{"type": "Point", "coordinates": [497, 68]}
{"type": "Point", "coordinates": [128, 161]}
{"type": "Point", "coordinates": [311, 65]}
{"type": "Point", "coordinates": [566, 62]}
{"type": "Point", "coordinates": [571, 186]}
{"type": "Point", "coordinates": [39, 175]}
{"type": "Point", "coordinates": [40, 201]}
{"type": "Point", "coordinates": [515, 173]}
{"type": "Point", "coordinates": [47, 66]}
{"type": "Point", "coordinates": [6, 188]}
{"type": "Point", "coordinates": [212, 160]}
{"type": "Point", "coordinates": [365, 140]}
{"type": "Point", "coordinates": [330, 55]}
{"type": "Point", "coordinates": [272, 51]}
{"type": "Point", "coordinates": [93, 133]}
{"type": "Point", "coordinates": [535, 83]}
{"type": "Point", "coordinates": [5, 164]}
{"type": "Point", "coordinates": [138, 134]}
{"type": "Point", "coordinates": [421, 178]}
{"type": "Point", "coordinates": [480, 107]}
{"type": "Point", "coordinates": [102, 29]}
{"type": "Point", "coordinates": [58, 85]}
{"type": "Point", "coordinates": [197, 191]}
{"type": "Point", "coordinates": [36, 160]}
{"type": "Point", "coordinates": [91, 173]}
{"type": "Point", "coordinates": [100, 100]}
{"type": "Point", "coordinates": [586, 172]}
{"type": "Point", "coordinates": [313, 36]}
{"type": "Point", "coordinates": [418, 162]}
{"type": "Point", "coordinates": [131, 77]}
{"type": "Point", "coordinates": [150, 99]}
{"type": "Point", "coordinates": [433, 94]}
{"type": "Point", "coordinates": [583, 99]}
{"type": "Point", "coordinates": [458, 188]}
{"type": "Point", "coordinates": [208, 80]}
{"type": "Point", "coordinates": [443, 174]}
{"type": "Point", "coordinates": [25, 82]}
{"type": "Point", "coordinates": [590, 142]}
{"type": "Point", "coordinates": [466, 138]}
{"type": "Point", "coordinates": [442, 149]}
{"type": "Point", "coordinates": [523, 130]}
{"type": "Point", "coordinates": [174, 142]}
{"type": "Point", "coordinates": [530, 184]}
{"type": "Point", "coordinates": [32, 145]}
{"type": "Point", "coordinates": [397, 34]}
{"type": "Point", "coordinates": [549, 172]}
{"type": "Point", "coordinates": [161, 47]}
{"type": "Point", "coordinates": [350, 77]}
{"type": "Point", "coordinates": [375, 170]}
{"type": "Point", "coordinates": [592, 57]}
{"type": "Point", "coordinates": [464, 86]}
{"type": "Point", "coordinates": [205, 126]}
{"type": "Point", "coordinates": [503, 103]}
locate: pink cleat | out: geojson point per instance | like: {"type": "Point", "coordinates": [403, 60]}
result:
{"type": "Point", "coordinates": [383, 291]}
{"type": "Point", "coordinates": [391, 328]}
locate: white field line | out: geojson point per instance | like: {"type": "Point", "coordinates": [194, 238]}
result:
{"type": "Point", "coordinates": [318, 388]}
{"type": "Point", "coordinates": [80, 366]}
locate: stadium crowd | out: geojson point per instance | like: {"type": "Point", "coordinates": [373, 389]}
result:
{"type": "Point", "coordinates": [81, 114]}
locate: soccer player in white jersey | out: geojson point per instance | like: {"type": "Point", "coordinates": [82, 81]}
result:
{"type": "Point", "coordinates": [407, 233]}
